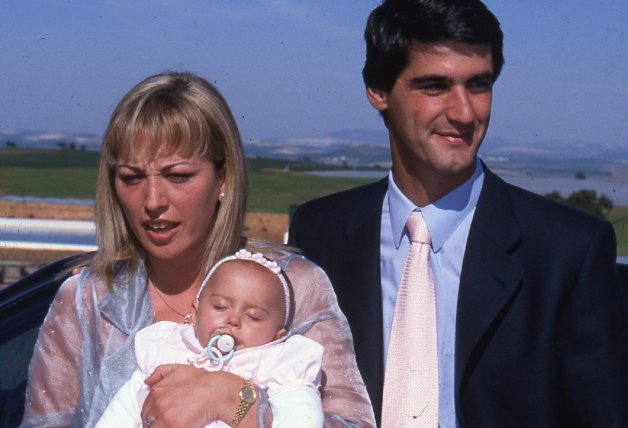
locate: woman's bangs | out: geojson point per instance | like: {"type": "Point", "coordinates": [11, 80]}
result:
{"type": "Point", "coordinates": [167, 131]}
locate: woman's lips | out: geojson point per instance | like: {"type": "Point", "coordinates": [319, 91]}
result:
{"type": "Point", "coordinates": [160, 232]}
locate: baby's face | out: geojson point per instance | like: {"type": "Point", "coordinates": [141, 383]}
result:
{"type": "Point", "coordinates": [242, 299]}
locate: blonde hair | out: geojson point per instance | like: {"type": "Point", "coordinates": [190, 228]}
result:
{"type": "Point", "coordinates": [177, 113]}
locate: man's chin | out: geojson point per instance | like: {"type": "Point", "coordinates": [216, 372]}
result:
{"type": "Point", "coordinates": [462, 168]}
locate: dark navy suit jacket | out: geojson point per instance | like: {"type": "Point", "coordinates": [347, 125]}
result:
{"type": "Point", "coordinates": [542, 323]}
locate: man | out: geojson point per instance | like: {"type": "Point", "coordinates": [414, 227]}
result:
{"type": "Point", "coordinates": [531, 321]}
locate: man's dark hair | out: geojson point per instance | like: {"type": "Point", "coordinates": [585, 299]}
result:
{"type": "Point", "coordinates": [395, 25]}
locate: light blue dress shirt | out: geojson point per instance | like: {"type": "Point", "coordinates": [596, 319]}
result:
{"type": "Point", "coordinates": [448, 220]}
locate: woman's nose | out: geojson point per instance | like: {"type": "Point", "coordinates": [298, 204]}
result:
{"type": "Point", "coordinates": [155, 195]}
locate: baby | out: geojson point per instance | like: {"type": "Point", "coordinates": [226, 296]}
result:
{"type": "Point", "coordinates": [242, 321]}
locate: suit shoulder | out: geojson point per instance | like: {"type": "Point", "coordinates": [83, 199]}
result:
{"type": "Point", "coordinates": [320, 222]}
{"type": "Point", "coordinates": [344, 199]}
{"type": "Point", "coordinates": [550, 209]}
{"type": "Point", "coordinates": [546, 217]}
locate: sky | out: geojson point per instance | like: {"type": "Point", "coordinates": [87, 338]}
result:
{"type": "Point", "coordinates": [292, 68]}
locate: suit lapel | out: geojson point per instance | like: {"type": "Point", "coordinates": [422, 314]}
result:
{"type": "Point", "coordinates": [490, 273]}
{"type": "Point", "coordinates": [362, 235]}
{"type": "Point", "coordinates": [362, 230]}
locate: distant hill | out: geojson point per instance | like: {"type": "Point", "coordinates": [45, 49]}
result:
{"type": "Point", "coordinates": [363, 148]}
{"type": "Point", "coordinates": [350, 148]}
{"type": "Point", "coordinates": [556, 149]}
{"type": "Point", "coordinates": [558, 157]}
{"type": "Point", "coordinates": [49, 140]}
{"type": "Point", "coordinates": [368, 147]}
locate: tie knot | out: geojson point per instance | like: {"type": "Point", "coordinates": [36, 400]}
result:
{"type": "Point", "coordinates": [417, 229]}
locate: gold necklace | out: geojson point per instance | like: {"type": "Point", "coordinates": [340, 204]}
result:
{"type": "Point", "coordinates": [187, 319]}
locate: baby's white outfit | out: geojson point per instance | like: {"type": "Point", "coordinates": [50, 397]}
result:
{"type": "Point", "coordinates": [289, 370]}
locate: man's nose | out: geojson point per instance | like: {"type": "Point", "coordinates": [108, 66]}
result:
{"type": "Point", "coordinates": [460, 108]}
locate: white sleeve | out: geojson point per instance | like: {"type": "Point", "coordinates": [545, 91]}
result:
{"type": "Point", "coordinates": [291, 374]}
{"type": "Point", "coordinates": [124, 408]}
{"type": "Point", "coordinates": [299, 406]}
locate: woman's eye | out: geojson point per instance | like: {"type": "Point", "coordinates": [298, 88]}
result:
{"type": "Point", "coordinates": [178, 178]}
{"type": "Point", "coordinates": [131, 179]}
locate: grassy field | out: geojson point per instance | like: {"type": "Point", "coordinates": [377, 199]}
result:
{"type": "Point", "coordinates": [71, 174]}
{"type": "Point", "coordinates": [63, 174]}
{"type": "Point", "coordinates": [619, 218]}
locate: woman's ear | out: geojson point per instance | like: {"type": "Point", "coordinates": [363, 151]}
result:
{"type": "Point", "coordinates": [221, 189]}
{"type": "Point", "coordinates": [378, 98]}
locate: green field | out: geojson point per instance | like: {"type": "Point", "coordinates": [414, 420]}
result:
{"type": "Point", "coordinates": [274, 191]}
{"type": "Point", "coordinates": [619, 218]}
{"type": "Point", "coordinates": [71, 174]}
{"type": "Point", "coordinates": [58, 173]}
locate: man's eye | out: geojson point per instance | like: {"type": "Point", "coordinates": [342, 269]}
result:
{"type": "Point", "coordinates": [433, 88]}
{"type": "Point", "coordinates": [481, 85]}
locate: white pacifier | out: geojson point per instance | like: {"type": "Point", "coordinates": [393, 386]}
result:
{"type": "Point", "coordinates": [220, 349]}
{"type": "Point", "coordinates": [225, 343]}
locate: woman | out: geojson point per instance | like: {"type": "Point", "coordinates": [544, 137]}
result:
{"type": "Point", "coordinates": [170, 201]}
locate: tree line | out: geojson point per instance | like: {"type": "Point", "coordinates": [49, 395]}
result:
{"type": "Point", "coordinates": [587, 200]}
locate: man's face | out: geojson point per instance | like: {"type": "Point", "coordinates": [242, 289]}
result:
{"type": "Point", "coordinates": [437, 113]}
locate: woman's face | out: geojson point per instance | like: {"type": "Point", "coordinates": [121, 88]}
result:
{"type": "Point", "coordinates": [169, 202]}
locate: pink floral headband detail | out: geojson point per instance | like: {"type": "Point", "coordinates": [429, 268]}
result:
{"type": "Point", "coordinates": [260, 259]}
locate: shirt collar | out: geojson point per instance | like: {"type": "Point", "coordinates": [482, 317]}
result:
{"type": "Point", "coordinates": [443, 215]}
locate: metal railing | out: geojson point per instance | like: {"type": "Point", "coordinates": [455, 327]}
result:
{"type": "Point", "coordinates": [50, 235]}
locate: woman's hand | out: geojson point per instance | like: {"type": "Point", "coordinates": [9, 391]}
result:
{"type": "Point", "coordinates": [186, 396]}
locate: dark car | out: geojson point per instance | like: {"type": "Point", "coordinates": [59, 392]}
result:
{"type": "Point", "coordinates": [23, 306]}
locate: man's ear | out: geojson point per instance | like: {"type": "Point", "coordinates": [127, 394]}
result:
{"type": "Point", "coordinates": [378, 98]}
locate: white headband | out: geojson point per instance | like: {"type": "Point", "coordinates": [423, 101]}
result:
{"type": "Point", "coordinates": [258, 258]}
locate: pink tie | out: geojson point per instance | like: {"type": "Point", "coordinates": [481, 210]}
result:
{"type": "Point", "coordinates": [411, 378]}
